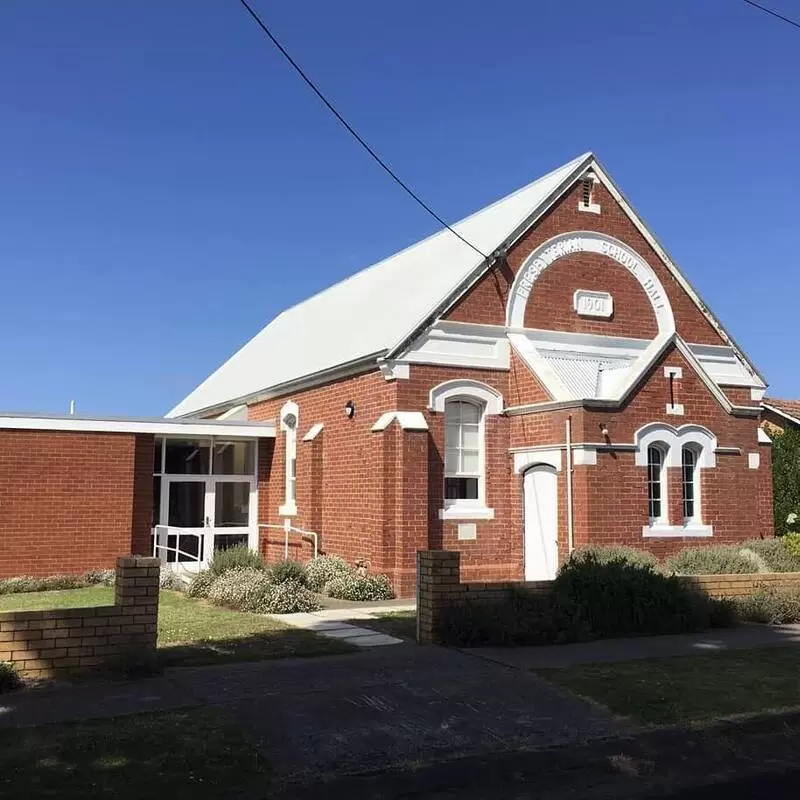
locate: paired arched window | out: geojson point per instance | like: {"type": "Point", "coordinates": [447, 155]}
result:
{"type": "Point", "coordinates": [681, 452]}
{"type": "Point", "coordinates": [463, 453]}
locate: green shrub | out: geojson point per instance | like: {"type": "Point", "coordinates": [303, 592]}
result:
{"type": "Point", "coordinates": [287, 570]}
{"type": "Point", "coordinates": [9, 677]}
{"type": "Point", "coordinates": [621, 599]}
{"type": "Point", "coordinates": [323, 569]}
{"type": "Point", "coordinates": [101, 577]}
{"type": "Point", "coordinates": [718, 560]}
{"type": "Point", "coordinates": [26, 583]}
{"type": "Point", "coordinates": [360, 587]}
{"type": "Point", "coordinates": [792, 544]}
{"type": "Point", "coordinates": [785, 478]}
{"type": "Point", "coordinates": [771, 606]}
{"type": "Point", "coordinates": [238, 557]}
{"type": "Point", "coordinates": [604, 555]}
{"type": "Point", "coordinates": [242, 589]}
{"type": "Point", "coordinates": [775, 553]}
{"type": "Point", "coordinates": [288, 597]}
{"type": "Point", "coordinates": [201, 583]}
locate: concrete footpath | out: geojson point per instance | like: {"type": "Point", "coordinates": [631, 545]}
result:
{"type": "Point", "coordinates": [335, 623]}
{"type": "Point", "coordinates": [745, 637]}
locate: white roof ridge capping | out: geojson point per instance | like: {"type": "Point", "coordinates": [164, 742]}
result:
{"type": "Point", "coordinates": [376, 309]}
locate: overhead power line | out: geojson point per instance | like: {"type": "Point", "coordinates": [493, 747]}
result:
{"type": "Point", "coordinates": [772, 13]}
{"type": "Point", "coordinates": [352, 130]}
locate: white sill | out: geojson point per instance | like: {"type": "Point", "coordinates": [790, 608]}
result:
{"type": "Point", "coordinates": [694, 529]}
{"type": "Point", "coordinates": [287, 510]}
{"type": "Point", "coordinates": [466, 512]}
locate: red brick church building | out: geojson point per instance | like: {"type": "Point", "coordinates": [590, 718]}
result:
{"type": "Point", "coordinates": [569, 388]}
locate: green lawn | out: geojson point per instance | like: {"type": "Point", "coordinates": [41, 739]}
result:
{"type": "Point", "coordinates": [192, 632]}
{"type": "Point", "coordinates": [690, 688]}
{"type": "Point", "coordinates": [196, 754]}
{"type": "Point", "coordinates": [402, 624]}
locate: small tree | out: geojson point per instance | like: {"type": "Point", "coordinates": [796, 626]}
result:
{"type": "Point", "coordinates": [785, 477]}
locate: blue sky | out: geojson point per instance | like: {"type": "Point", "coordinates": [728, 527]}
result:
{"type": "Point", "coordinates": [169, 185]}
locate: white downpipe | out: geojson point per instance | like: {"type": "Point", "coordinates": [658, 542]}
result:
{"type": "Point", "coordinates": [570, 531]}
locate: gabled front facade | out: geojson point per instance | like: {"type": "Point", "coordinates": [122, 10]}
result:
{"type": "Point", "coordinates": [571, 388]}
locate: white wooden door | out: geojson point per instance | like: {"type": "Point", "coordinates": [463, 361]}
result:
{"type": "Point", "coordinates": [541, 523]}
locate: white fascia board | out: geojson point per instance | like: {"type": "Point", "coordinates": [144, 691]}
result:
{"type": "Point", "coordinates": [160, 427]}
{"type": "Point", "coordinates": [780, 413]}
{"type": "Point", "coordinates": [763, 437]}
{"type": "Point", "coordinates": [526, 350]}
{"type": "Point", "coordinates": [644, 230]}
{"type": "Point", "coordinates": [443, 346]}
{"type": "Point", "coordinates": [235, 412]}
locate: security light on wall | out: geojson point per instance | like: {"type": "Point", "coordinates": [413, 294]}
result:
{"type": "Point", "coordinates": [604, 430]}
{"type": "Point", "coordinates": [350, 409]}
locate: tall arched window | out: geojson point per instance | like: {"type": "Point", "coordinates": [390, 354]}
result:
{"type": "Point", "coordinates": [289, 422]}
{"type": "Point", "coordinates": [656, 484]}
{"type": "Point", "coordinates": [690, 476]}
{"type": "Point", "coordinates": [463, 453]}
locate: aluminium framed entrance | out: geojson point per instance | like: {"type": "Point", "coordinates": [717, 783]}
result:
{"type": "Point", "coordinates": [196, 511]}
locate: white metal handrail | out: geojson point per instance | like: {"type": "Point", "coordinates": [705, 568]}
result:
{"type": "Point", "coordinates": [288, 528]}
{"type": "Point", "coordinates": [161, 547]}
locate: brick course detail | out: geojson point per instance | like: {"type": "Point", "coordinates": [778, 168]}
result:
{"type": "Point", "coordinates": [43, 644]}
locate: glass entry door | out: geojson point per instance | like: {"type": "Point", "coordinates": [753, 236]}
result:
{"type": "Point", "coordinates": [201, 514]}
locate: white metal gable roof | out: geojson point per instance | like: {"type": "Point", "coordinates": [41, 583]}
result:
{"type": "Point", "coordinates": [372, 311]}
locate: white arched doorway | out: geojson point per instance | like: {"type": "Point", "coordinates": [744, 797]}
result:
{"type": "Point", "coordinates": [540, 488]}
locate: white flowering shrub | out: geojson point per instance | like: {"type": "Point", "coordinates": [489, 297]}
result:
{"type": "Point", "coordinates": [201, 583]}
{"type": "Point", "coordinates": [288, 597]}
{"type": "Point", "coordinates": [101, 577]}
{"type": "Point", "coordinates": [242, 589]}
{"type": "Point", "coordinates": [323, 569]}
{"type": "Point", "coordinates": [168, 579]}
{"type": "Point", "coordinates": [360, 587]}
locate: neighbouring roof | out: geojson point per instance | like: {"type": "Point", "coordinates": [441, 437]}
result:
{"type": "Point", "coordinates": [786, 408]}
{"type": "Point", "coordinates": [372, 311]}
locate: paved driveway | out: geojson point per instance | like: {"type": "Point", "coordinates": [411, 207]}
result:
{"type": "Point", "coordinates": [404, 704]}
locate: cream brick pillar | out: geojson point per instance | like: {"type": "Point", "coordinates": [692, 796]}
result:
{"type": "Point", "coordinates": [136, 594]}
{"type": "Point", "coordinates": [438, 587]}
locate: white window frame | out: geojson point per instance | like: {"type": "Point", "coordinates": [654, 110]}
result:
{"type": "Point", "coordinates": [488, 401]}
{"type": "Point", "coordinates": [704, 444]}
{"type": "Point", "coordinates": [290, 423]}
{"type": "Point", "coordinates": [696, 518]}
{"type": "Point", "coordinates": [663, 518]}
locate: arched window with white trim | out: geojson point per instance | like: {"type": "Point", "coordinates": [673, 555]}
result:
{"type": "Point", "coordinates": [289, 423]}
{"type": "Point", "coordinates": [463, 452]}
{"type": "Point", "coordinates": [657, 484]}
{"type": "Point", "coordinates": [690, 480]}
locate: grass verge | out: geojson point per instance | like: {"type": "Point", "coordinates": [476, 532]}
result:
{"type": "Point", "coordinates": [195, 754]}
{"type": "Point", "coordinates": [690, 688]}
{"type": "Point", "coordinates": [193, 632]}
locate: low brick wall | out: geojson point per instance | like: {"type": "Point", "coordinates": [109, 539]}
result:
{"type": "Point", "coordinates": [742, 585]}
{"type": "Point", "coordinates": [61, 641]}
{"type": "Point", "coordinates": [439, 587]}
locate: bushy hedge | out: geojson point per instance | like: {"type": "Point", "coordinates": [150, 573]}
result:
{"type": "Point", "coordinates": [323, 569]}
{"type": "Point", "coordinates": [770, 606]}
{"type": "Point", "coordinates": [168, 579]}
{"type": "Point", "coordinates": [201, 583]}
{"type": "Point", "coordinates": [26, 583]}
{"type": "Point", "coordinates": [287, 570]}
{"type": "Point", "coordinates": [791, 541]}
{"type": "Point", "coordinates": [238, 557]}
{"type": "Point", "coordinates": [605, 555]}
{"type": "Point", "coordinates": [242, 588]}
{"type": "Point", "coordinates": [289, 597]}
{"type": "Point", "coordinates": [717, 560]}
{"type": "Point", "coordinates": [589, 600]}
{"type": "Point", "coordinates": [359, 587]}
{"type": "Point", "coordinates": [776, 554]}
{"type": "Point", "coordinates": [785, 477]}
{"type": "Point", "coordinates": [101, 577]}
{"type": "Point", "coordinates": [9, 677]}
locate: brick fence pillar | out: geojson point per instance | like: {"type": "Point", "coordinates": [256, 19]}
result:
{"type": "Point", "coordinates": [438, 587]}
{"type": "Point", "coordinates": [136, 593]}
